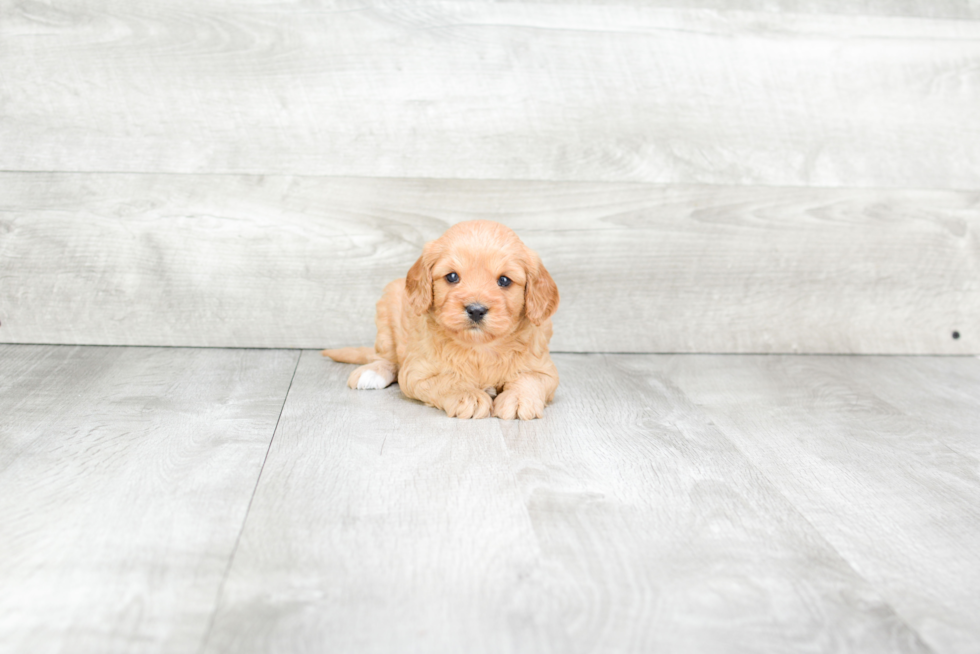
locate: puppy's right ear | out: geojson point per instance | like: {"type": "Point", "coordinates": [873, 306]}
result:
{"type": "Point", "coordinates": [418, 281]}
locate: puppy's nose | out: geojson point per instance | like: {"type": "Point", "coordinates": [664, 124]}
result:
{"type": "Point", "coordinates": [476, 312]}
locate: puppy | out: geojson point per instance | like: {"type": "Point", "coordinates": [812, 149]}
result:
{"type": "Point", "coordinates": [473, 316]}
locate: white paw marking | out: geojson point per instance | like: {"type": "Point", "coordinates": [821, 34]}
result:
{"type": "Point", "coordinates": [371, 380]}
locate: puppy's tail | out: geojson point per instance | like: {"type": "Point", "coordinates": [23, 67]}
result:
{"type": "Point", "coordinates": [352, 354]}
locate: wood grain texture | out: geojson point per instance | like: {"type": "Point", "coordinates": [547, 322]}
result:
{"type": "Point", "coordinates": [939, 394]}
{"type": "Point", "coordinates": [668, 539]}
{"type": "Point", "coordinates": [622, 522]}
{"type": "Point", "coordinates": [665, 503]}
{"type": "Point", "coordinates": [125, 474]}
{"type": "Point", "coordinates": [968, 9]}
{"type": "Point", "coordinates": [380, 525]}
{"type": "Point", "coordinates": [267, 261]}
{"type": "Point", "coordinates": [486, 90]}
{"type": "Point", "coordinates": [879, 455]}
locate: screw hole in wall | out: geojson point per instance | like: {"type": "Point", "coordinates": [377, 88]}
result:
{"type": "Point", "coordinates": [956, 335]}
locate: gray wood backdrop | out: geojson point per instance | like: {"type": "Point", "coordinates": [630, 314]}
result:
{"type": "Point", "coordinates": [787, 176]}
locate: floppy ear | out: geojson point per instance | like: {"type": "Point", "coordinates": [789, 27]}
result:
{"type": "Point", "coordinates": [418, 281]}
{"type": "Point", "coordinates": [540, 293]}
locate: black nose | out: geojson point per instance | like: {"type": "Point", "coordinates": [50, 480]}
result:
{"type": "Point", "coordinates": [476, 312]}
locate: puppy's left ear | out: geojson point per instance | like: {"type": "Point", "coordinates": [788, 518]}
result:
{"type": "Point", "coordinates": [540, 293]}
{"type": "Point", "coordinates": [418, 281]}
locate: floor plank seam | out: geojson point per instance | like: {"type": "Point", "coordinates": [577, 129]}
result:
{"type": "Point", "coordinates": [248, 509]}
{"type": "Point", "coordinates": [779, 492]}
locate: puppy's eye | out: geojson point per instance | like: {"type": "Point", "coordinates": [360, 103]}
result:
{"type": "Point", "coordinates": [452, 278]}
{"type": "Point", "coordinates": [503, 281]}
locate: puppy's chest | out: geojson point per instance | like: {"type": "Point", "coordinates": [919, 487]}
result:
{"type": "Point", "coordinates": [488, 367]}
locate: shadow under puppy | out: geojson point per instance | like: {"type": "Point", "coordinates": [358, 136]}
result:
{"type": "Point", "coordinates": [472, 316]}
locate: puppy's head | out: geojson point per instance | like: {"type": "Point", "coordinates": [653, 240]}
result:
{"type": "Point", "coordinates": [480, 282]}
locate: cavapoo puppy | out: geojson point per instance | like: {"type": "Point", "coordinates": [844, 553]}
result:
{"type": "Point", "coordinates": [471, 318]}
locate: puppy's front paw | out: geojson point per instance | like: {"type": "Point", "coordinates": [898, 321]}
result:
{"type": "Point", "coordinates": [513, 404]}
{"type": "Point", "coordinates": [468, 404]}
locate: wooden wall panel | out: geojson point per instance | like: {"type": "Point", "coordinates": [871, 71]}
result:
{"type": "Point", "coordinates": [259, 261]}
{"type": "Point", "coordinates": [552, 91]}
{"type": "Point", "coordinates": [964, 9]}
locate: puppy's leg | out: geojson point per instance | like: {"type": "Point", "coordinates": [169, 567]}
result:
{"type": "Point", "coordinates": [525, 397]}
{"type": "Point", "coordinates": [448, 393]}
{"type": "Point", "coordinates": [374, 376]}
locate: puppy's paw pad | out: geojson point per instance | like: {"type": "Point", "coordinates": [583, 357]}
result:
{"type": "Point", "coordinates": [509, 405]}
{"type": "Point", "coordinates": [371, 380]}
{"type": "Point", "coordinates": [474, 404]}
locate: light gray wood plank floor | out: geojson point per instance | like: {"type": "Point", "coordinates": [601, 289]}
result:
{"type": "Point", "coordinates": [153, 499]}
{"type": "Point", "coordinates": [882, 456]}
{"type": "Point", "coordinates": [125, 475]}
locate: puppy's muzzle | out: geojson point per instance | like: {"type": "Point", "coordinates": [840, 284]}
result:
{"type": "Point", "coordinates": [476, 312]}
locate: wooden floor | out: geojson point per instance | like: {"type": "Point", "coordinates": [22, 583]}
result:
{"type": "Point", "coordinates": [223, 500]}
